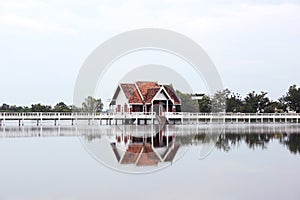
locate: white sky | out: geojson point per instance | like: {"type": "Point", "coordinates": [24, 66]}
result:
{"type": "Point", "coordinates": [255, 45]}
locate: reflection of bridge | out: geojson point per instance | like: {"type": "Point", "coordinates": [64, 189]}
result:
{"type": "Point", "coordinates": [92, 132]}
{"type": "Point", "coordinates": [147, 118]}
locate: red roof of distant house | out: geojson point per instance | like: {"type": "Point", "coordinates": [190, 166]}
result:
{"type": "Point", "coordinates": [144, 92]}
{"type": "Point", "coordinates": [151, 94]}
{"type": "Point", "coordinates": [145, 86]}
{"type": "Point", "coordinates": [131, 92]}
{"type": "Point", "coordinates": [170, 90]}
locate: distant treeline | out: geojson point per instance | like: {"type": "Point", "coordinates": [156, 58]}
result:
{"type": "Point", "coordinates": [225, 100]}
{"type": "Point", "coordinates": [253, 102]}
{"type": "Point", "coordinates": [89, 105]}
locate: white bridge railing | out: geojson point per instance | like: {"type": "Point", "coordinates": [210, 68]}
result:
{"type": "Point", "coordinates": [8, 115]}
{"type": "Point", "coordinates": [183, 116]}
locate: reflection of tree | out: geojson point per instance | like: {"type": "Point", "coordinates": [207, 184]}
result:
{"type": "Point", "coordinates": [254, 141]}
{"type": "Point", "coordinates": [292, 141]}
{"type": "Point", "coordinates": [257, 140]}
{"type": "Point", "coordinates": [185, 139]}
{"type": "Point", "coordinates": [228, 141]}
{"type": "Point", "coordinates": [91, 137]}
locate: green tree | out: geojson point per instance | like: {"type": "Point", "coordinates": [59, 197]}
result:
{"type": "Point", "coordinates": [292, 98]}
{"type": "Point", "coordinates": [40, 108]}
{"type": "Point", "coordinates": [204, 104]}
{"type": "Point", "coordinates": [187, 103]}
{"type": "Point", "coordinates": [255, 102]}
{"type": "Point", "coordinates": [92, 105]}
{"type": "Point", "coordinates": [274, 106]}
{"type": "Point", "coordinates": [218, 101]}
{"type": "Point", "coordinates": [61, 107]}
{"type": "Point", "coordinates": [234, 103]}
{"type": "Point", "coordinates": [5, 107]}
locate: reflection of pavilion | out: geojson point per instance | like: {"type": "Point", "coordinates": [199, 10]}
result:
{"type": "Point", "coordinates": [145, 151]}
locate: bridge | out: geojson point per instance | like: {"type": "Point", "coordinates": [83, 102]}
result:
{"type": "Point", "coordinates": [138, 118]}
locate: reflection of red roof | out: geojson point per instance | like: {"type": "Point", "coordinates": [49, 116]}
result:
{"type": "Point", "coordinates": [143, 154]}
{"type": "Point", "coordinates": [132, 154]}
{"type": "Point", "coordinates": [148, 157]}
{"type": "Point", "coordinates": [140, 154]}
{"type": "Point", "coordinates": [144, 92]}
{"type": "Point", "coordinates": [171, 155]}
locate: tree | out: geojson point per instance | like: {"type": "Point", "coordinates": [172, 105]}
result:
{"type": "Point", "coordinates": [218, 101]}
{"type": "Point", "coordinates": [187, 103]}
{"type": "Point", "coordinates": [61, 107]}
{"type": "Point", "coordinates": [292, 98]}
{"type": "Point", "coordinates": [234, 103]}
{"type": "Point", "coordinates": [274, 106]}
{"type": "Point", "coordinates": [255, 102]}
{"type": "Point", "coordinates": [40, 108]}
{"type": "Point", "coordinates": [92, 105]}
{"type": "Point", "coordinates": [5, 107]}
{"type": "Point", "coordinates": [204, 104]}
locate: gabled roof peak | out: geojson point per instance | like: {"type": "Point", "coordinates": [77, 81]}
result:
{"type": "Point", "coordinates": [144, 91]}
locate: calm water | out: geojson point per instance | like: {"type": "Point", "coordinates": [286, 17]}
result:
{"type": "Point", "coordinates": [248, 162]}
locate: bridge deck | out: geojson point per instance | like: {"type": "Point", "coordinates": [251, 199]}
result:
{"type": "Point", "coordinates": [137, 117]}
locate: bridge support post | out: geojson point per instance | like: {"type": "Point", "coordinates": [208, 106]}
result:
{"type": "Point", "coordinates": [76, 119]}
{"type": "Point", "coordinates": [58, 120]}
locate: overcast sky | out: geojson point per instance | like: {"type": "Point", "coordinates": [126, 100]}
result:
{"type": "Point", "coordinates": [255, 45]}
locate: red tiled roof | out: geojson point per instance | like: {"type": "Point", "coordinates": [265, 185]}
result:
{"type": "Point", "coordinates": [145, 86]}
{"type": "Point", "coordinates": [170, 90]}
{"type": "Point", "coordinates": [148, 90]}
{"type": "Point", "coordinates": [150, 94]}
{"type": "Point", "coordinates": [131, 93]}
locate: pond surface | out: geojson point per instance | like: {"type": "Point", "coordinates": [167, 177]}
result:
{"type": "Point", "coordinates": [247, 162]}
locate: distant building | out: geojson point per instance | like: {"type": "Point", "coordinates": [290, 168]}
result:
{"type": "Point", "coordinates": [144, 96]}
